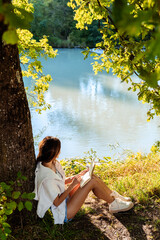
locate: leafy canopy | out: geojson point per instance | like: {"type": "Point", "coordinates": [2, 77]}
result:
{"type": "Point", "coordinates": [130, 42]}
{"type": "Point", "coordinates": [30, 52]}
{"type": "Point", "coordinates": [17, 16]}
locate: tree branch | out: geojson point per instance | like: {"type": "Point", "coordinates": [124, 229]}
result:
{"type": "Point", "coordinates": [110, 19]}
{"type": "Point", "coordinates": [140, 6]}
{"type": "Point", "coordinates": [136, 73]}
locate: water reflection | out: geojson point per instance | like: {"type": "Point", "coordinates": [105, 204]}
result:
{"type": "Point", "coordinates": [91, 87]}
{"type": "Point", "coordinates": [91, 111]}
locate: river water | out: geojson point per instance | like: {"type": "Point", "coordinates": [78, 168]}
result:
{"type": "Point", "coordinates": [91, 111]}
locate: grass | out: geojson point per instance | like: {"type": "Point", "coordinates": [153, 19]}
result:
{"type": "Point", "coordinates": [138, 176]}
{"type": "Point", "coordinates": [46, 230]}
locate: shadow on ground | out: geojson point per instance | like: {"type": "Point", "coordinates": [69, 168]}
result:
{"type": "Point", "coordinates": [94, 222]}
{"type": "Point", "coordinates": [140, 223]}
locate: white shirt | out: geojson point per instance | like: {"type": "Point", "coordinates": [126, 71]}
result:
{"type": "Point", "coordinates": [48, 185]}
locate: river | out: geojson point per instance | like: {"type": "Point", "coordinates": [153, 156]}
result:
{"type": "Point", "coordinates": [91, 111]}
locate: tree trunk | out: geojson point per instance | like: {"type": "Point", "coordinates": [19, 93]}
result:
{"type": "Point", "coordinates": [16, 139]}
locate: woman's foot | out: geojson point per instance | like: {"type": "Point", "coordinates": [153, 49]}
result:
{"type": "Point", "coordinates": [120, 206]}
{"type": "Point", "coordinates": [117, 195]}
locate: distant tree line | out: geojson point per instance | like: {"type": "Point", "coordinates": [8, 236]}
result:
{"type": "Point", "coordinates": [55, 19]}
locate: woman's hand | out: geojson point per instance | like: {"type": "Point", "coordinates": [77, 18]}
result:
{"type": "Point", "coordinates": [76, 180]}
{"type": "Point", "coordinates": [70, 179]}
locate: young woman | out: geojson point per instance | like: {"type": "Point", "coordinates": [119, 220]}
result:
{"type": "Point", "coordinates": [53, 191]}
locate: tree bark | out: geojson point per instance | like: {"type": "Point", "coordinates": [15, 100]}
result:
{"type": "Point", "coordinates": [16, 138]}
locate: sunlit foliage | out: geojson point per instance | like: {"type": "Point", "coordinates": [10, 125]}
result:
{"type": "Point", "coordinates": [137, 175]}
{"type": "Point", "coordinates": [30, 52]}
{"type": "Point", "coordinates": [130, 42]}
{"type": "Point", "coordinates": [17, 16]}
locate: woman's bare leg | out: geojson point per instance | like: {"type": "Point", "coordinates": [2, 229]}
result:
{"type": "Point", "coordinates": [102, 190]}
{"type": "Point", "coordinates": [99, 189]}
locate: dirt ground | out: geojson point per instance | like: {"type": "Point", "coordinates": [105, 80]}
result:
{"type": "Point", "coordinates": [140, 223]}
{"type": "Point", "coordinates": [94, 222]}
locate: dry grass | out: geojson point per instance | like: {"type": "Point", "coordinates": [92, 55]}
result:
{"type": "Point", "coordinates": [138, 176]}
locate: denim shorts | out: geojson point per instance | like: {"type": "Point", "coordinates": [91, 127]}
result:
{"type": "Point", "coordinates": [66, 219]}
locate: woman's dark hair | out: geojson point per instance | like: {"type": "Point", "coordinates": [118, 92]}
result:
{"type": "Point", "coordinates": [49, 149]}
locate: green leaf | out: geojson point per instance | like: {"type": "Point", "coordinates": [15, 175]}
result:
{"type": "Point", "coordinates": [28, 205]}
{"type": "Point", "coordinates": [12, 205]}
{"type": "Point", "coordinates": [8, 211]}
{"type": "Point", "coordinates": [19, 175]}
{"type": "Point", "coordinates": [20, 206]}
{"type": "Point", "coordinates": [24, 178]}
{"type": "Point", "coordinates": [11, 182]}
{"type": "Point", "coordinates": [16, 17]}
{"type": "Point", "coordinates": [118, 9]}
{"type": "Point", "coordinates": [7, 230]}
{"type": "Point", "coordinates": [16, 195]}
{"type": "Point", "coordinates": [4, 217]}
{"type": "Point", "coordinates": [24, 195]}
{"type": "Point", "coordinates": [86, 53]}
{"type": "Point", "coordinates": [6, 225]}
{"type": "Point", "coordinates": [30, 196]}
{"type": "Point", "coordinates": [10, 36]}
{"type": "Point", "coordinates": [3, 185]}
{"type": "Point", "coordinates": [2, 235]}
{"type": "Point", "coordinates": [19, 184]}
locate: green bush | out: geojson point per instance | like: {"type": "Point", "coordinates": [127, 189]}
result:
{"type": "Point", "coordinates": [10, 200]}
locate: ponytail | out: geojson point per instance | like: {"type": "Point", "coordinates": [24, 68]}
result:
{"type": "Point", "coordinates": [39, 159]}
